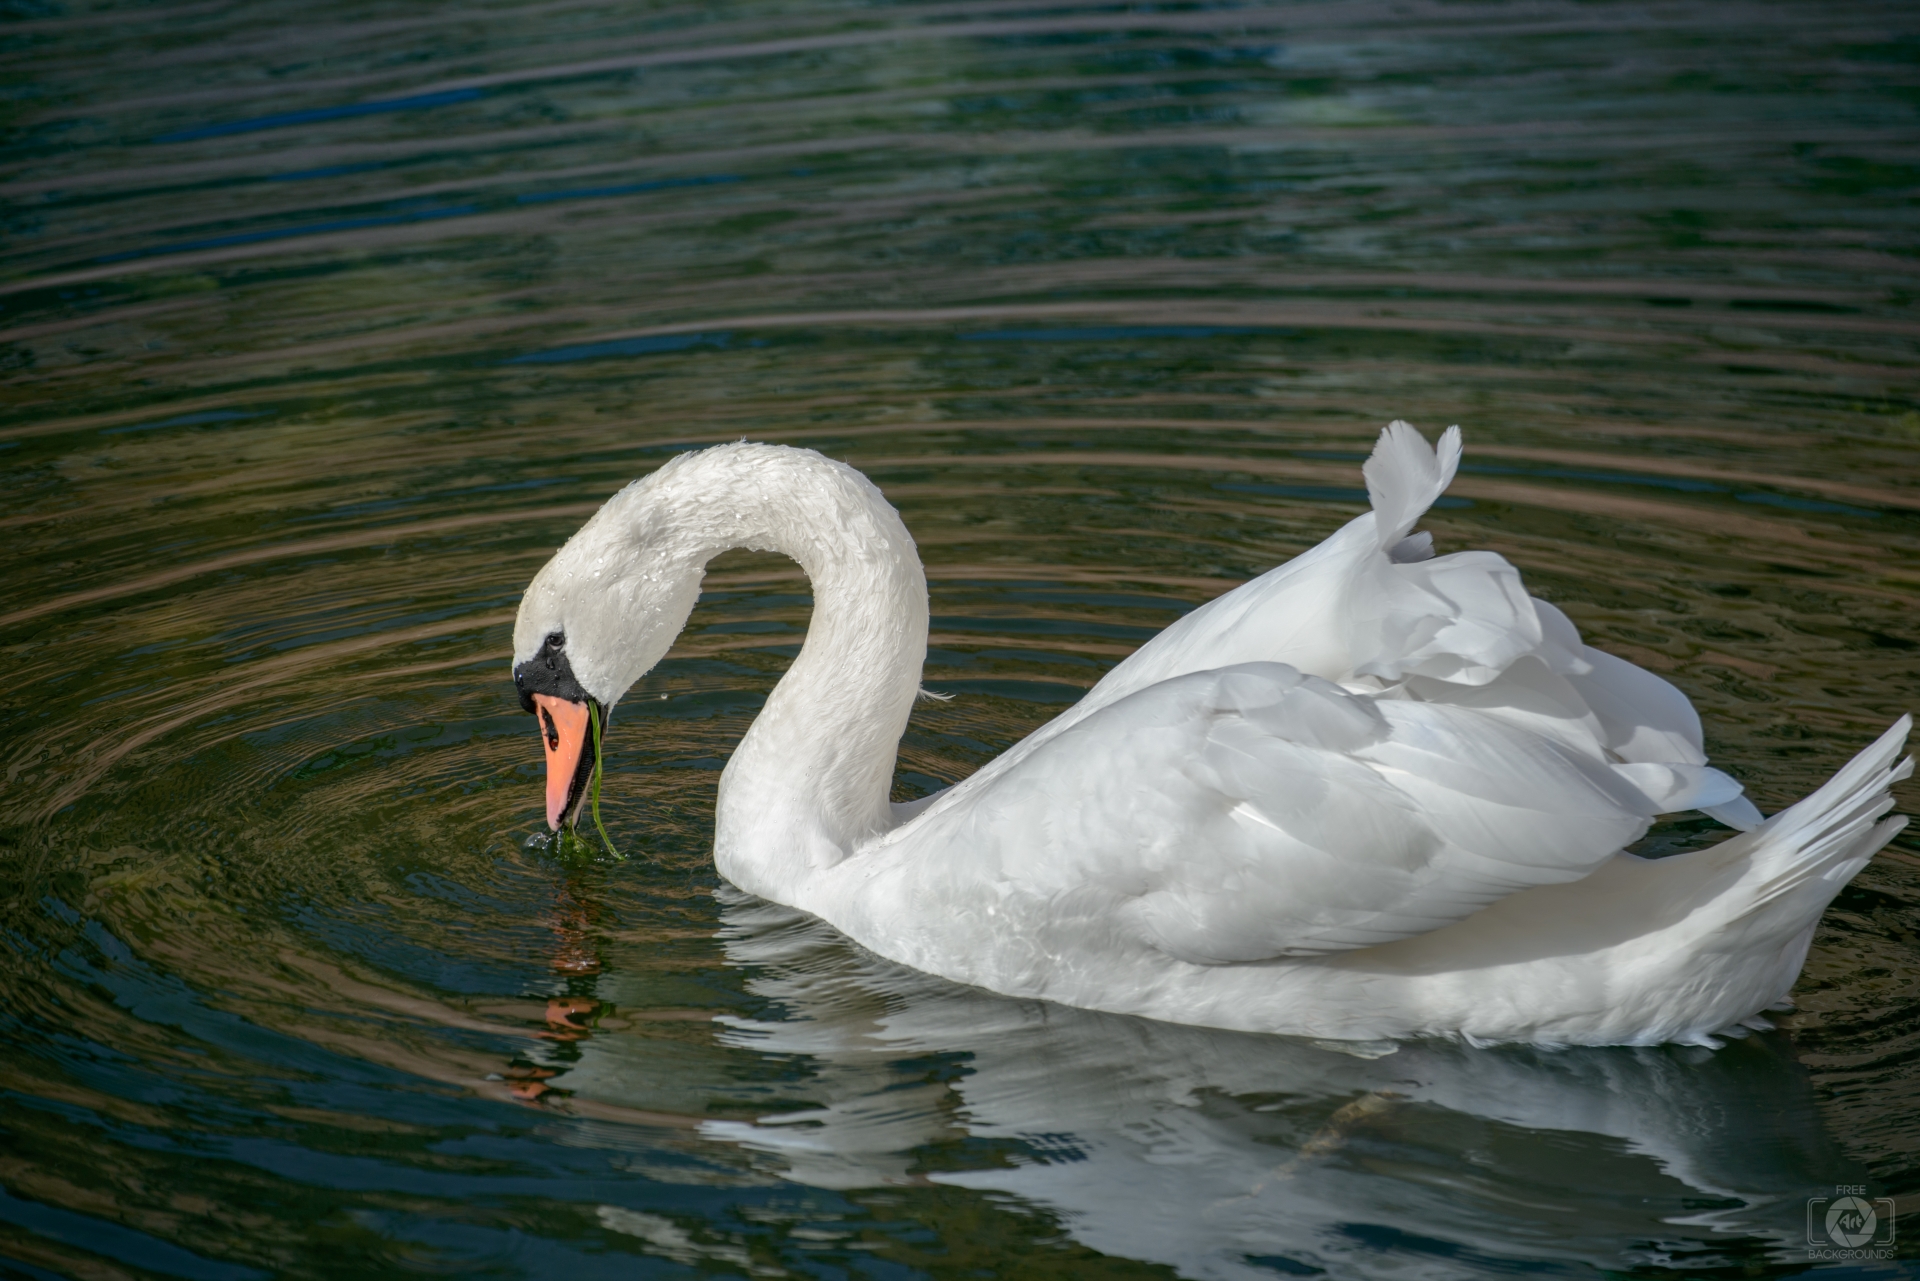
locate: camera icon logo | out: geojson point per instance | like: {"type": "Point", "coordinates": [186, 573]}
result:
{"type": "Point", "coordinates": [1850, 1224]}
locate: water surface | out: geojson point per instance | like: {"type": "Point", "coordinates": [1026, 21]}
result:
{"type": "Point", "coordinates": [324, 326]}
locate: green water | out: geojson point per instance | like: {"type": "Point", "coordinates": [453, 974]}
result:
{"type": "Point", "coordinates": [323, 326]}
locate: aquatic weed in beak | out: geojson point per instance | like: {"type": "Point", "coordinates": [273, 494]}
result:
{"type": "Point", "coordinates": [599, 760]}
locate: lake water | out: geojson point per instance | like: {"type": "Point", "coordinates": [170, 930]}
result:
{"type": "Point", "coordinates": [324, 325]}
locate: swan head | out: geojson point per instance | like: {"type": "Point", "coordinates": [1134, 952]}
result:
{"type": "Point", "coordinates": [595, 619]}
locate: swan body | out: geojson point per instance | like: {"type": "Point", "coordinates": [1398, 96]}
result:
{"type": "Point", "coordinates": [1372, 794]}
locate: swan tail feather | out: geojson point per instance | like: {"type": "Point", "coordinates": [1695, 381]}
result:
{"type": "Point", "coordinates": [1404, 477]}
{"type": "Point", "coordinates": [1800, 858]}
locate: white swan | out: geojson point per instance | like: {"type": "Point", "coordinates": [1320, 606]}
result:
{"type": "Point", "coordinates": [1372, 794]}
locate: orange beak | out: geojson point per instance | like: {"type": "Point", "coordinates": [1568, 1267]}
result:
{"type": "Point", "coordinates": [563, 732]}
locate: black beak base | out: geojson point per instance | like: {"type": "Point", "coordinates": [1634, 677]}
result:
{"type": "Point", "coordinates": [548, 672]}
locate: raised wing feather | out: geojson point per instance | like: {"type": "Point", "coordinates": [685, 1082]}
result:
{"type": "Point", "coordinates": [1373, 609]}
{"type": "Point", "coordinates": [1253, 812]}
{"type": "Point", "coordinates": [1372, 602]}
{"type": "Point", "coordinates": [1405, 475]}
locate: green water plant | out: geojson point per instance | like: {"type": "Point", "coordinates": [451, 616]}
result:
{"type": "Point", "coordinates": [599, 760]}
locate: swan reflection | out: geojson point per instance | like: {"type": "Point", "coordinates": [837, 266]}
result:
{"type": "Point", "coordinates": [1231, 1155]}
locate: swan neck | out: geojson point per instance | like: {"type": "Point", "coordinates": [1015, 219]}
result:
{"type": "Point", "coordinates": [809, 783]}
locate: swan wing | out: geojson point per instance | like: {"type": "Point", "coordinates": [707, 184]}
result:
{"type": "Point", "coordinates": [1373, 609]}
{"type": "Point", "coordinates": [1254, 811]}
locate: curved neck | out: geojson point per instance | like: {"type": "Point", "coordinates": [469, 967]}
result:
{"type": "Point", "coordinates": [809, 782]}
